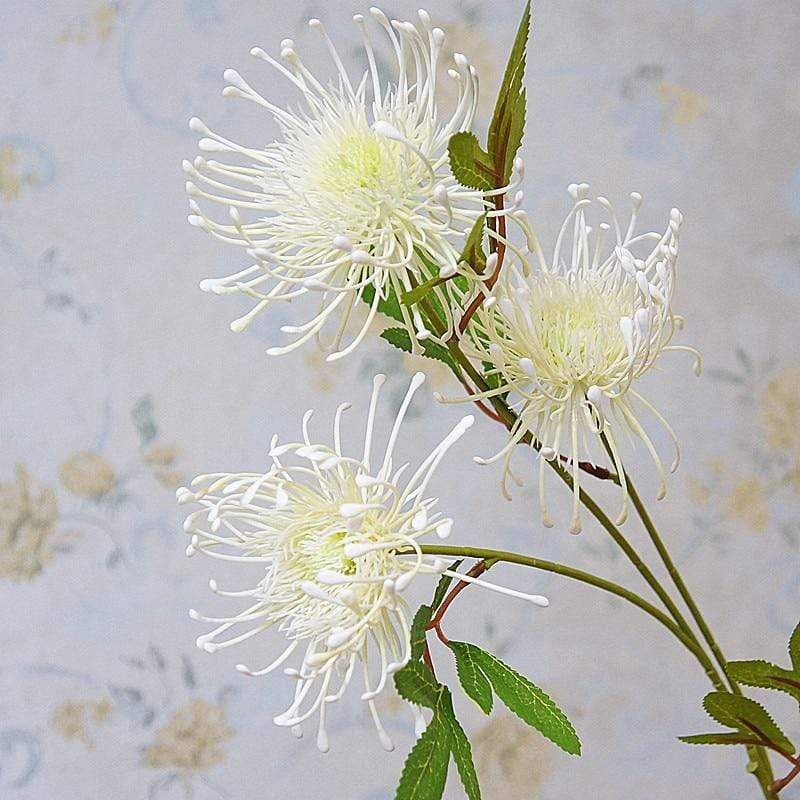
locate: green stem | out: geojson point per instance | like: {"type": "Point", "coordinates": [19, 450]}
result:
{"type": "Point", "coordinates": [569, 572]}
{"type": "Point", "coordinates": [508, 417]}
{"type": "Point", "coordinates": [763, 773]}
{"type": "Point", "coordinates": [683, 630]}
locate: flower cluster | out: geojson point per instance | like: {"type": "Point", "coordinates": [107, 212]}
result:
{"type": "Point", "coordinates": [338, 535]}
{"type": "Point", "coordinates": [357, 199]}
{"type": "Point", "coordinates": [356, 205]}
{"type": "Point", "coordinates": [565, 339]}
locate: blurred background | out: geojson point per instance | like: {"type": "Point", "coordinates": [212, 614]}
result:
{"type": "Point", "coordinates": [121, 380]}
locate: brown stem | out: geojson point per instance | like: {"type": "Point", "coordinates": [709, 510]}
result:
{"type": "Point", "coordinates": [602, 473]}
{"type": "Point", "coordinates": [480, 404]}
{"type": "Point", "coordinates": [784, 782]}
{"type": "Point", "coordinates": [436, 621]}
{"type": "Point", "coordinates": [496, 247]}
{"type": "Point", "coordinates": [426, 657]}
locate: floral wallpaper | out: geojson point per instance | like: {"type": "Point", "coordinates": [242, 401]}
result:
{"type": "Point", "coordinates": [120, 379]}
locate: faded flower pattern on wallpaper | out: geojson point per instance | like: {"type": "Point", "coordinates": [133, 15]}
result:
{"type": "Point", "coordinates": [117, 386]}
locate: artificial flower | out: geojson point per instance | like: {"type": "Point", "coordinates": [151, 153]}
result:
{"type": "Point", "coordinates": [567, 339]}
{"type": "Point", "coordinates": [355, 202]}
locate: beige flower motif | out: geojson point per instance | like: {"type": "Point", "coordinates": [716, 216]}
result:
{"type": "Point", "coordinates": [10, 183]}
{"type": "Point", "coordinates": [87, 474]}
{"type": "Point", "coordinates": [161, 455]}
{"type": "Point", "coordinates": [512, 760]}
{"type": "Point", "coordinates": [96, 25]}
{"type": "Point", "coordinates": [28, 514]}
{"type": "Point", "coordinates": [780, 413]}
{"type": "Point", "coordinates": [192, 739]}
{"type": "Point", "coordinates": [683, 105]}
{"type": "Point", "coordinates": [699, 493]}
{"type": "Point", "coordinates": [161, 459]}
{"type": "Point", "coordinates": [747, 503]}
{"type": "Point", "coordinates": [71, 719]}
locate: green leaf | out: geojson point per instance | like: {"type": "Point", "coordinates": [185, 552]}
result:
{"type": "Point", "coordinates": [400, 338]}
{"type": "Point", "coordinates": [444, 584]}
{"type": "Point", "coordinates": [508, 121]}
{"type": "Point", "coordinates": [459, 744]}
{"type": "Point", "coordinates": [425, 771]}
{"type": "Point", "coordinates": [415, 683]}
{"type": "Point", "coordinates": [745, 714]}
{"type": "Point", "coordinates": [472, 678]}
{"type": "Point", "coordinates": [390, 305]}
{"type": "Point", "coordinates": [794, 648]}
{"type": "Point", "coordinates": [419, 293]}
{"type": "Point", "coordinates": [470, 163]}
{"type": "Point", "coordinates": [719, 738]}
{"type": "Point", "coordinates": [528, 702]}
{"type": "Point", "coordinates": [473, 249]}
{"type": "Point", "coordinates": [765, 676]}
{"type": "Point", "coordinates": [418, 626]}
{"type": "Point", "coordinates": [491, 376]}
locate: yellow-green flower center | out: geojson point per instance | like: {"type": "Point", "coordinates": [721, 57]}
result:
{"type": "Point", "coordinates": [357, 164]}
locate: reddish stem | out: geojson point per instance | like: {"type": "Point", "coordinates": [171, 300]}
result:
{"type": "Point", "coordinates": [481, 405]}
{"type": "Point", "coordinates": [436, 621]}
{"type": "Point", "coordinates": [784, 782]}
{"type": "Point", "coordinates": [496, 247]}
{"type": "Point", "coordinates": [426, 657]}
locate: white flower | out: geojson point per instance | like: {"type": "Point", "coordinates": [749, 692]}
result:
{"type": "Point", "coordinates": [328, 531]}
{"type": "Point", "coordinates": [568, 341]}
{"type": "Point", "coordinates": [356, 198]}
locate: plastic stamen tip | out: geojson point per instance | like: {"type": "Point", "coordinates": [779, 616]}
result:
{"type": "Point", "coordinates": [594, 395]}
{"type": "Point", "coordinates": [342, 243]}
{"type": "Point", "coordinates": [443, 529]}
{"type": "Point", "coordinates": [547, 453]}
{"type": "Point", "coordinates": [387, 130]}
{"type": "Point", "coordinates": [403, 581]}
{"type": "Point", "coordinates": [539, 600]}
{"type": "Point", "coordinates": [526, 365]}
{"type": "Point", "coordinates": [198, 126]}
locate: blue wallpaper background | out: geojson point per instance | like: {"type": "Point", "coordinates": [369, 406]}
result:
{"type": "Point", "coordinates": [121, 380]}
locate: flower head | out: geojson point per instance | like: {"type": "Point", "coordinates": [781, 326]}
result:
{"type": "Point", "coordinates": [338, 535]}
{"type": "Point", "coordinates": [568, 341]}
{"type": "Point", "coordinates": [356, 198]}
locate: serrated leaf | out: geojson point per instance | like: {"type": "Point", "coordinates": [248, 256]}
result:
{"type": "Point", "coordinates": [444, 584]}
{"type": "Point", "coordinates": [415, 683]}
{"type": "Point", "coordinates": [473, 249]}
{"type": "Point", "coordinates": [508, 121]}
{"type": "Point", "coordinates": [794, 648]}
{"type": "Point", "coordinates": [389, 305]}
{"type": "Point", "coordinates": [720, 738]}
{"type": "Point", "coordinates": [735, 711]}
{"type": "Point", "coordinates": [470, 164]}
{"type": "Point", "coordinates": [400, 338]}
{"type": "Point", "coordinates": [418, 626]}
{"type": "Point", "coordinates": [765, 675]}
{"type": "Point", "coordinates": [425, 771]}
{"type": "Point", "coordinates": [529, 702]}
{"type": "Point", "coordinates": [472, 679]}
{"type": "Point", "coordinates": [460, 747]}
